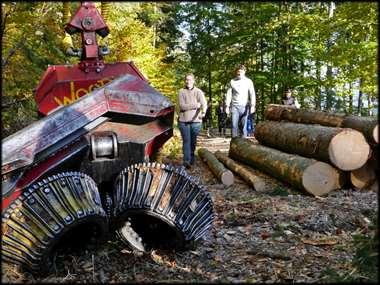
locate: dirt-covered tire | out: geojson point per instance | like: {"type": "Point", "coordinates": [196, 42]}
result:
{"type": "Point", "coordinates": [160, 206]}
{"type": "Point", "coordinates": [45, 214]}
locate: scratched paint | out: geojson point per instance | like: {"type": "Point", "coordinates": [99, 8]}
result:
{"type": "Point", "coordinates": [76, 93]}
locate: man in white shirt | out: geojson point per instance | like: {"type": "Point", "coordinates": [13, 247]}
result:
{"type": "Point", "coordinates": [240, 100]}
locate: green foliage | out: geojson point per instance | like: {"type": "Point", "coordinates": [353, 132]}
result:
{"type": "Point", "coordinates": [171, 149]}
{"type": "Point", "coordinates": [32, 34]}
{"type": "Point", "coordinates": [283, 45]}
{"type": "Point", "coordinates": [29, 43]}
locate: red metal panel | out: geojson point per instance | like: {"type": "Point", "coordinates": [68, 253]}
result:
{"type": "Point", "coordinates": [87, 10]}
{"type": "Point", "coordinates": [63, 84]}
{"type": "Point", "coordinates": [20, 148]}
{"type": "Point", "coordinates": [33, 174]}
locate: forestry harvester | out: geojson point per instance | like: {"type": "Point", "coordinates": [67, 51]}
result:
{"type": "Point", "coordinates": [84, 169]}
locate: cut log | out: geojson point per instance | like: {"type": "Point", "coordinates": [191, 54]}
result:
{"type": "Point", "coordinates": [217, 168]}
{"type": "Point", "coordinates": [367, 125]}
{"type": "Point", "coordinates": [275, 112]}
{"type": "Point", "coordinates": [363, 177]}
{"type": "Point", "coordinates": [315, 177]}
{"type": "Point", "coordinates": [374, 158]}
{"type": "Point", "coordinates": [243, 171]}
{"type": "Point", "coordinates": [345, 148]}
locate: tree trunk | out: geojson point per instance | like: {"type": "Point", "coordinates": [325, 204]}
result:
{"type": "Point", "coordinates": [369, 102]}
{"type": "Point", "coordinates": [315, 177]}
{"type": "Point", "coordinates": [346, 148]}
{"type": "Point", "coordinates": [367, 125]}
{"type": "Point", "coordinates": [351, 101]}
{"type": "Point", "coordinates": [277, 112]}
{"type": "Point", "coordinates": [360, 98]}
{"type": "Point", "coordinates": [318, 99]}
{"type": "Point", "coordinates": [216, 167]}
{"type": "Point", "coordinates": [243, 171]}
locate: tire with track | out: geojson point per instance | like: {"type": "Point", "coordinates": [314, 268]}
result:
{"type": "Point", "coordinates": [48, 212]}
{"type": "Point", "coordinates": [160, 206]}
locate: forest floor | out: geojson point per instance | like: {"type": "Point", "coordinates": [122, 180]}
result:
{"type": "Point", "coordinates": [279, 235]}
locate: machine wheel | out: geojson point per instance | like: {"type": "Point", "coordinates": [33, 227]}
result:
{"type": "Point", "coordinates": [160, 206]}
{"type": "Point", "coordinates": [47, 214]}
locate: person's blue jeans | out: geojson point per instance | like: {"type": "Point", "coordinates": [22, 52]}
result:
{"type": "Point", "coordinates": [251, 124]}
{"type": "Point", "coordinates": [239, 116]}
{"type": "Point", "coordinates": [189, 133]}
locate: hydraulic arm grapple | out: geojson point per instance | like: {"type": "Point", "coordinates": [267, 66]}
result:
{"type": "Point", "coordinates": [83, 169]}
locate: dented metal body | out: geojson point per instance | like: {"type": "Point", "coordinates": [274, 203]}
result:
{"type": "Point", "coordinates": [139, 117]}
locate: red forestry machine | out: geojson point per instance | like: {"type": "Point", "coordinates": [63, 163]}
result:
{"type": "Point", "coordinates": [83, 170]}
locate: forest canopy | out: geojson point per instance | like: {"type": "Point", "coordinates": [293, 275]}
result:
{"type": "Point", "coordinates": [325, 51]}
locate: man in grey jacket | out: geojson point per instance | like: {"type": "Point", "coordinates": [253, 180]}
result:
{"type": "Point", "coordinates": [192, 108]}
{"type": "Point", "coordinates": [240, 100]}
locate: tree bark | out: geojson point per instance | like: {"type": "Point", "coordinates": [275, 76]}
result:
{"type": "Point", "coordinates": [345, 148]}
{"type": "Point", "coordinates": [367, 125]}
{"type": "Point", "coordinates": [243, 171]}
{"type": "Point", "coordinates": [315, 177]}
{"type": "Point", "coordinates": [216, 167]}
{"type": "Point", "coordinates": [276, 112]}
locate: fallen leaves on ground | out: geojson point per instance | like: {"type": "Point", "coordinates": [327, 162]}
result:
{"type": "Point", "coordinates": [280, 236]}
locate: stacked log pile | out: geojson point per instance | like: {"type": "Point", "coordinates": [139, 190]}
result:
{"type": "Point", "coordinates": [315, 177]}
{"type": "Point", "coordinates": [314, 151]}
{"type": "Point", "coordinates": [345, 148]}
{"type": "Point", "coordinates": [366, 125]}
{"type": "Point", "coordinates": [362, 175]}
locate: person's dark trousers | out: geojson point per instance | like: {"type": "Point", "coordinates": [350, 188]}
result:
{"type": "Point", "coordinates": [189, 133]}
{"type": "Point", "coordinates": [239, 121]}
{"type": "Point", "coordinates": [222, 128]}
{"type": "Point", "coordinates": [253, 123]}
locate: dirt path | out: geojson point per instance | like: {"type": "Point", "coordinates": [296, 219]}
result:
{"type": "Point", "coordinates": [278, 236]}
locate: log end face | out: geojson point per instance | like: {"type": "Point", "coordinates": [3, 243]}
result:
{"type": "Point", "coordinates": [227, 178]}
{"type": "Point", "coordinates": [375, 133]}
{"type": "Point", "coordinates": [321, 178]}
{"type": "Point", "coordinates": [349, 150]}
{"type": "Point", "coordinates": [363, 177]}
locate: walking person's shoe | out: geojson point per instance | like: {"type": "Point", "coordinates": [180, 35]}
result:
{"type": "Point", "coordinates": [187, 165]}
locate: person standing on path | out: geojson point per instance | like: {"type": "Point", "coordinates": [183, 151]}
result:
{"type": "Point", "coordinates": [222, 118]}
{"type": "Point", "coordinates": [192, 108]}
{"type": "Point", "coordinates": [207, 120]}
{"type": "Point", "coordinates": [240, 101]}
